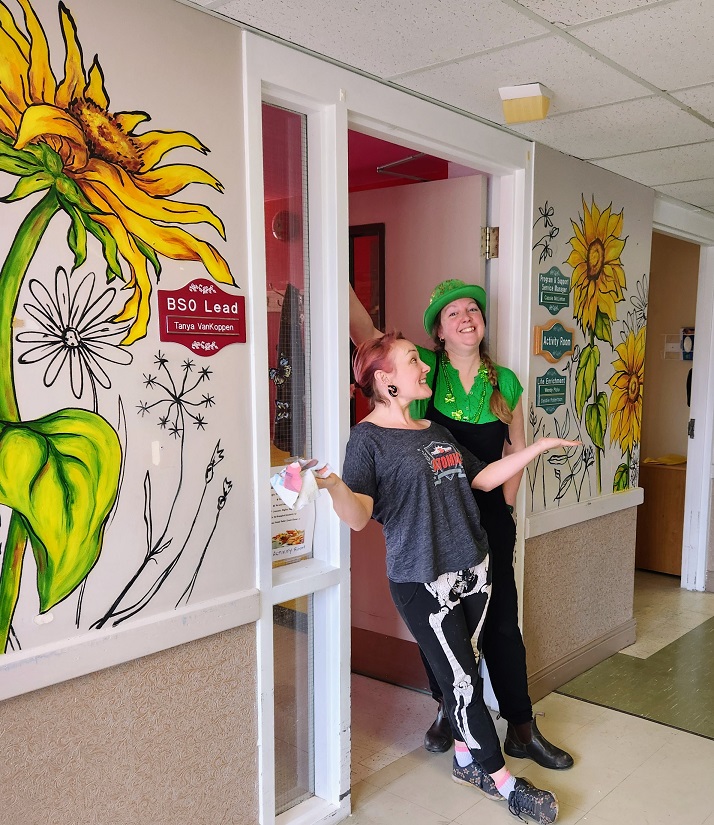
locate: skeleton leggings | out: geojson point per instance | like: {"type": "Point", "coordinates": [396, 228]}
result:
{"type": "Point", "coordinates": [446, 618]}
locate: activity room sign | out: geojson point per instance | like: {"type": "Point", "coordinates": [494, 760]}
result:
{"type": "Point", "coordinates": [201, 316]}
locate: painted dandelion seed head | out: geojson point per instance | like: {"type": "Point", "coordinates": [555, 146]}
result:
{"type": "Point", "coordinates": [62, 137]}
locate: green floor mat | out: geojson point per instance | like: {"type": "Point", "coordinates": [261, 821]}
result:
{"type": "Point", "coordinates": [674, 686]}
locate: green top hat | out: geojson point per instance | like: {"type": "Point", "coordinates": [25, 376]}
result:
{"type": "Point", "coordinates": [448, 291]}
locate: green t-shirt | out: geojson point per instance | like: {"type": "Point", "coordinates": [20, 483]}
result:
{"type": "Point", "coordinates": [465, 406]}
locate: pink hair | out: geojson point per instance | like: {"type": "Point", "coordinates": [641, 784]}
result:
{"type": "Point", "coordinates": [370, 357]}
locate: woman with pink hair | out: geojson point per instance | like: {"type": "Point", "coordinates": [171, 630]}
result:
{"type": "Point", "coordinates": [415, 480]}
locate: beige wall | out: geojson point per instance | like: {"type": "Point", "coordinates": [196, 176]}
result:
{"type": "Point", "coordinates": [577, 603]}
{"type": "Point", "coordinates": [674, 271]}
{"type": "Point", "coordinates": [169, 739]}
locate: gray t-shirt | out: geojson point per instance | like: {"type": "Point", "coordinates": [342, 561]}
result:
{"type": "Point", "coordinates": [420, 481]}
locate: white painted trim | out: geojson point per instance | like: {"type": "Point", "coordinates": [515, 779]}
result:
{"type": "Point", "coordinates": [672, 217]}
{"type": "Point", "coordinates": [539, 523]}
{"type": "Point", "coordinates": [315, 811]}
{"type": "Point", "coordinates": [40, 667]}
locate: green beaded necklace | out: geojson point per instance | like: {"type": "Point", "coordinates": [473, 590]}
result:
{"type": "Point", "coordinates": [450, 398]}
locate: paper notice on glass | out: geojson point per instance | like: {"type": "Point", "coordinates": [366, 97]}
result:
{"type": "Point", "coordinates": [292, 530]}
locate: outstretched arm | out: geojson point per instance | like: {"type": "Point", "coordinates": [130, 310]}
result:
{"type": "Point", "coordinates": [500, 471]}
{"type": "Point", "coordinates": [355, 509]}
{"type": "Point", "coordinates": [361, 326]}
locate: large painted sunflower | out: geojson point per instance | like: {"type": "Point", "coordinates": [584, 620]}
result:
{"type": "Point", "coordinates": [626, 396]}
{"type": "Point", "coordinates": [598, 276]}
{"type": "Point", "coordinates": [63, 138]}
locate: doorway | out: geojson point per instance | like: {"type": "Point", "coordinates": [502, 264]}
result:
{"type": "Point", "coordinates": [671, 314]}
{"type": "Point", "coordinates": [424, 215]}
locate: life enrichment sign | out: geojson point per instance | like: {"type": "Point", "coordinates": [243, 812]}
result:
{"type": "Point", "coordinates": [201, 316]}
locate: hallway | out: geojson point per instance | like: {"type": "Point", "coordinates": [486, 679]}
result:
{"type": "Point", "coordinates": [628, 770]}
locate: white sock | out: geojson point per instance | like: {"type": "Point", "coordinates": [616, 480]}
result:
{"type": "Point", "coordinates": [506, 788]}
{"type": "Point", "coordinates": [462, 754]}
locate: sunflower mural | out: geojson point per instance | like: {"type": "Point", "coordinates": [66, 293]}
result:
{"type": "Point", "coordinates": [597, 283]}
{"type": "Point", "coordinates": [65, 146]}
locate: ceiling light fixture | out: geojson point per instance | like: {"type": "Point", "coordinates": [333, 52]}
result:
{"type": "Point", "coordinates": [529, 101]}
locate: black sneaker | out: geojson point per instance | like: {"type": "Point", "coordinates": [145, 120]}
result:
{"type": "Point", "coordinates": [540, 806]}
{"type": "Point", "coordinates": [477, 777]}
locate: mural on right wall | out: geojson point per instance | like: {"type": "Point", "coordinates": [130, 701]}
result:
{"type": "Point", "coordinates": [590, 265]}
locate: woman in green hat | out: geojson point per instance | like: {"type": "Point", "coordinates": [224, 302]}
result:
{"type": "Point", "coordinates": [479, 403]}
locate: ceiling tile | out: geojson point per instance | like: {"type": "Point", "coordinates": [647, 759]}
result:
{"type": "Point", "coordinates": [387, 39]}
{"type": "Point", "coordinates": [700, 99]}
{"type": "Point", "coordinates": [634, 126]}
{"type": "Point", "coordinates": [698, 192]}
{"type": "Point", "coordinates": [576, 79]}
{"type": "Point", "coordinates": [571, 12]}
{"type": "Point", "coordinates": [680, 163]}
{"type": "Point", "coordinates": [668, 45]}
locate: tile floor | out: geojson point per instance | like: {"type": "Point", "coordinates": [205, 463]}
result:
{"type": "Point", "coordinates": [628, 771]}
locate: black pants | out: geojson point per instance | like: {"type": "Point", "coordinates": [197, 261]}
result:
{"type": "Point", "coordinates": [503, 646]}
{"type": "Point", "coordinates": [446, 617]}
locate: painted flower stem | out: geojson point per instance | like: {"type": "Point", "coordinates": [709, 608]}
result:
{"type": "Point", "coordinates": [12, 274]}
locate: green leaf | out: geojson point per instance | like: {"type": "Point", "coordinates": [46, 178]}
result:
{"type": "Point", "coordinates": [60, 474]}
{"type": "Point", "coordinates": [69, 191]}
{"type": "Point", "coordinates": [596, 420]}
{"type": "Point", "coordinates": [28, 185]}
{"type": "Point", "coordinates": [585, 374]}
{"type": "Point", "coordinates": [621, 479]}
{"type": "Point", "coordinates": [50, 160]}
{"type": "Point", "coordinates": [150, 254]}
{"type": "Point", "coordinates": [76, 235]}
{"type": "Point", "coordinates": [15, 166]}
{"type": "Point", "coordinates": [603, 327]}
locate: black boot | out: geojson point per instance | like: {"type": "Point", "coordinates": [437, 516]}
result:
{"type": "Point", "coordinates": [439, 737]}
{"type": "Point", "coordinates": [539, 749]}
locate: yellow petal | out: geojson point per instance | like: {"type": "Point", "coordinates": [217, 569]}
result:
{"type": "Point", "coordinates": [130, 120]}
{"type": "Point", "coordinates": [14, 72]}
{"type": "Point", "coordinates": [10, 114]}
{"type": "Point", "coordinates": [117, 189]}
{"type": "Point", "coordinates": [40, 120]}
{"type": "Point", "coordinates": [168, 180]}
{"type": "Point", "coordinates": [73, 84]}
{"type": "Point", "coordinates": [7, 22]}
{"type": "Point", "coordinates": [154, 145]}
{"type": "Point", "coordinates": [613, 248]}
{"type": "Point", "coordinates": [137, 308]}
{"type": "Point", "coordinates": [615, 223]}
{"type": "Point", "coordinates": [95, 90]}
{"type": "Point", "coordinates": [602, 223]}
{"type": "Point", "coordinates": [578, 273]}
{"type": "Point", "coordinates": [579, 234]}
{"type": "Point", "coordinates": [42, 82]}
{"type": "Point", "coordinates": [588, 224]}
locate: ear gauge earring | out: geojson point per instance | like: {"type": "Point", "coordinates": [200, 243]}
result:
{"type": "Point", "coordinates": [392, 390]}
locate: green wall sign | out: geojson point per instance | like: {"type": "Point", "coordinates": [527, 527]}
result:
{"type": "Point", "coordinates": [550, 391]}
{"type": "Point", "coordinates": [553, 341]}
{"type": "Point", "coordinates": [553, 290]}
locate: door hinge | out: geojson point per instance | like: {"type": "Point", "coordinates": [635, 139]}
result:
{"type": "Point", "coordinates": [690, 427]}
{"type": "Point", "coordinates": [489, 242]}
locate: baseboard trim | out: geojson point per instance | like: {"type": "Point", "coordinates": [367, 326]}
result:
{"type": "Point", "coordinates": [551, 677]}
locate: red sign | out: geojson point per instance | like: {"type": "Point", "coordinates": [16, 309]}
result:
{"type": "Point", "coordinates": [201, 316]}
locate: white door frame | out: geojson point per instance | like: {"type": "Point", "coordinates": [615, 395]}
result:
{"type": "Point", "coordinates": [332, 98]}
{"type": "Point", "coordinates": [689, 223]}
